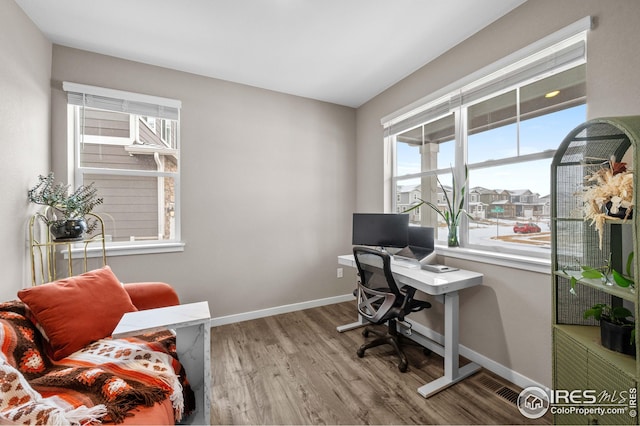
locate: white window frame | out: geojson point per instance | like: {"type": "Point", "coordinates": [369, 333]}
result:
{"type": "Point", "coordinates": [450, 100]}
{"type": "Point", "coordinates": [165, 133]}
{"type": "Point", "coordinates": [77, 171]}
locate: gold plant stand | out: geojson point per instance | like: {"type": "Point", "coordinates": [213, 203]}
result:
{"type": "Point", "coordinates": [45, 252]}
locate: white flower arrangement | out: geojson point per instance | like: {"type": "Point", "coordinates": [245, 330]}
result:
{"type": "Point", "coordinates": [612, 184]}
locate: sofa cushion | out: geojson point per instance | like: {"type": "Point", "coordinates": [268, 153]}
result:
{"type": "Point", "coordinates": [149, 295]}
{"type": "Point", "coordinates": [78, 310]}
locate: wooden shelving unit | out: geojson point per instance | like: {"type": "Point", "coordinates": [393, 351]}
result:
{"type": "Point", "coordinates": [580, 362]}
{"type": "Point", "coordinates": [48, 255]}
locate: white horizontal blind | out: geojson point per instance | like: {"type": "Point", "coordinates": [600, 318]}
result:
{"type": "Point", "coordinates": [557, 58]}
{"type": "Point", "coordinates": [435, 110]}
{"type": "Point", "coordinates": [121, 101]}
{"type": "Point", "coordinates": [559, 51]}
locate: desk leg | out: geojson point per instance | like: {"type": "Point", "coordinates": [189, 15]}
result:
{"type": "Point", "coordinates": [451, 336]}
{"type": "Point", "coordinates": [359, 323]}
{"type": "Point", "coordinates": [452, 373]}
{"type": "Point", "coordinates": [346, 327]}
{"type": "Point", "coordinates": [193, 345]}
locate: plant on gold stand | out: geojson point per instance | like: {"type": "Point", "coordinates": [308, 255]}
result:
{"type": "Point", "coordinates": [67, 210]}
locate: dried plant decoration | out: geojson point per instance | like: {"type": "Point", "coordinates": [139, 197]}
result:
{"type": "Point", "coordinates": [609, 192]}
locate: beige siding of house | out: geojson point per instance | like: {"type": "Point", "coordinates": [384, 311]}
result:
{"type": "Point", "coordinates": [130, 205]}
{"type": "Point", "coordinates": [114, 157]}
{"type": "Point", "coordinates": [105, 123]}
{"type": "Point", "coordinates": [145, 134]}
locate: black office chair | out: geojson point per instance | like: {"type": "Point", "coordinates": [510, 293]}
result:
{"type": "Point", "coordinates": [380, 300]}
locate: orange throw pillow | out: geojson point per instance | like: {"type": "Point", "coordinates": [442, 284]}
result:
{"type": "Point", "coordinates": [78, 310]}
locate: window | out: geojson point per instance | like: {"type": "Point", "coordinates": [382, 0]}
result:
{"type": "Point", "coordinates": [128, 145]}
{"type": "Point", "coordinates": [503, 128]}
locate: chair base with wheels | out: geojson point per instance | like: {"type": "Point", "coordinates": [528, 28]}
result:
{"type": "Point", "coordinates": [389, 337]}
{"type": "Point", "coordinates": [381, 301]}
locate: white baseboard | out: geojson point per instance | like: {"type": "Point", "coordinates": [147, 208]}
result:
{"type": "Point", "coordinates": [491, 365]}
{"type": "Point", "coordinates": [245, 316]}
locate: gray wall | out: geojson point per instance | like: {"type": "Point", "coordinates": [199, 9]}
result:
{"type": "Point", "coordinates": [268, 186]}
{"type": "Point", "coordinates": [24, 136]}
{"type": "Point", "coordinates": [508, 319]}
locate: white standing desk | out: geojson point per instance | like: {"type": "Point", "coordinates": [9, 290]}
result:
{"type": "Point", "coordinates": [191, 322]}
{"type": "Point", "coordinates": [445, 287]}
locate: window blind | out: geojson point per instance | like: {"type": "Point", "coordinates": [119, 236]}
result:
{"type": "Point", "coordinates": [435, 110]}
{"type": "Point", "coordinates": [121, 101]}
{"type": "Point", "coordinates": [557, 52]}
{"type": "Point", "coordinates": [568, 54]}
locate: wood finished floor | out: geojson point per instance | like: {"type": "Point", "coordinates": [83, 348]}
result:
{"type": "Point", "coordinates": [296, 368]}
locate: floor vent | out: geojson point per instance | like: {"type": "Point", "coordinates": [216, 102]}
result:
{"type": "Point", "coordinates": [490, 383]}
{"type": "Point", "coordinates": [498, 388]}
{"type": "Point", "coordinates": [508, 394]}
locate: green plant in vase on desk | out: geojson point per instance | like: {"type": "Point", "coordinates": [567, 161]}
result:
{"type": "Point", "coordinates": [66, 211]}
{"type": "Point", "coordinates": [454, 210]}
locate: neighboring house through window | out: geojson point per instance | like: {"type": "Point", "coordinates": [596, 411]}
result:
{"type": "Point", "coordinates": [128, 144]}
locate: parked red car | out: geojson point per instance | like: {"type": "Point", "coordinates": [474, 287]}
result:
{"type": "Point", "coordinates": [525, 228]}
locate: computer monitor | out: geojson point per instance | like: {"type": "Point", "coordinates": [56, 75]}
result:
{"type": "Point", "coordinates": [380, 229]}
{"type": "Point", "coordinates": [420, 245]}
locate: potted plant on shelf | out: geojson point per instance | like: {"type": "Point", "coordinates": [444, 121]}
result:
{"type": "Point", "coordinates": [616, 331]}
{"type": "Point", "coordinates": [65, 213]}
{"type": "Point", "coordinates": [610, 196]}
{"type": "Point", "coordinates": [606, 274]}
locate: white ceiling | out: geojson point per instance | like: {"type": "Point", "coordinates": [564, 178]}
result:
{"type": "Point", "coordinates": [339, 51]}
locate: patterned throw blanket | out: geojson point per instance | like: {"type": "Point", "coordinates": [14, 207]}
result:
{"type": "Point", "coordinates": [101, 382]}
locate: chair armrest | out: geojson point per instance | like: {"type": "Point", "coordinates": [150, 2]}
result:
{"type": "Point", "coordinates": [151, 295]}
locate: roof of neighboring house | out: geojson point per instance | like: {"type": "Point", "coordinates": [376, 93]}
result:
{"type": "Point", "coordinates": [408, 188]}
{"type": "Point", "coordinates": [520, 192]}
{"type": "Point", "coordinates": [482, 190]}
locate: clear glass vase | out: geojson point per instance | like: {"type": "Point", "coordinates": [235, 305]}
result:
{"type": "Point", "coordinates": [452, 237]}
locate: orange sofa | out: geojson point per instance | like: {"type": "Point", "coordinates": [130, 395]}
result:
{"type": "Point", "coordinates": [57, 365]}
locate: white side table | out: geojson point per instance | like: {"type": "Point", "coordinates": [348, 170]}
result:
{"type": "Point", "coordinates": [191, 323]}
